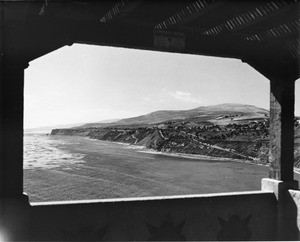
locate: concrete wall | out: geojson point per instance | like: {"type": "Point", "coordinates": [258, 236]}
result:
{"type": "Point", "coordinates": [228, 216]}
{"type": "Point", "coordinates": [295, 195]}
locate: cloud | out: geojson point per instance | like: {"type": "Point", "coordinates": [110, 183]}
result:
{"type": "Point", "coordinates": [185, 97]}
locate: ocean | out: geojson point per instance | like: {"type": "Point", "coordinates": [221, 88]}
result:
{"type": "Point", "coordinates": [61, 168]}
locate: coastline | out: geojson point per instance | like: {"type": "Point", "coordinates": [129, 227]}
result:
{"type": "Point", "coordinates": [188, 156]}
{"type": "Point", "coordinates": [201, 157]}
{"type": "Point", "coordinates": [211, 158]}
{"type": "Point", "coordinates": [182, 155]}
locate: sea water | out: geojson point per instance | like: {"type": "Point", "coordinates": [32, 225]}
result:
{"type": "Point", "coordinates": [41, 151]}
{"type": "Point", "coordinates": [78, 168]}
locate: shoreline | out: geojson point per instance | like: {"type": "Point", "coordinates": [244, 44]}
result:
{"type": "Point", "coordinates": [189, 156]}
{"type": "Point", "coordinates": [184, 155]}
{"type": "Point", "coordinates": [211, 158]}
{"type": "Point", "coordinates": [200, 157]}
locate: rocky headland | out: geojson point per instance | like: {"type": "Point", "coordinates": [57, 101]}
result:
{"type": "Point", "coordinates": [225, 131]}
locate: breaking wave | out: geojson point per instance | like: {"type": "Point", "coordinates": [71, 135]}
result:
{"type": "Point", "coordinates": [40, 151]}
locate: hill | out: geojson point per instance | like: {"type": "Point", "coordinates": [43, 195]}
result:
{"type": "Point", "coordinates": [215, 114]}
{"type": "Point", "coordinates": [231, 131]}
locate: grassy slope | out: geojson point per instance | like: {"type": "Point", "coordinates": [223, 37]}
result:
{"type": "Point", "coordinates": [203, 114]}
{"type": "Point", "coordinates": [227, 130]}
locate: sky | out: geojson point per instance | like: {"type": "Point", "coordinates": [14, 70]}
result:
{"type": "Point", "coordinates": [86, 83]}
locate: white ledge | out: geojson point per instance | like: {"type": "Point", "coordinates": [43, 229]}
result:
{"type": "Point", "coordinates": [157, 198]}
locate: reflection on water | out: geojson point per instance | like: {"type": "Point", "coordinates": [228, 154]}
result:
{"type": "Point", "coordinates": [40, 151]}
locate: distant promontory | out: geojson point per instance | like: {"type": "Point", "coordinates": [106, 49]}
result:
{"type": "Point", "coordinates": [233, 131]}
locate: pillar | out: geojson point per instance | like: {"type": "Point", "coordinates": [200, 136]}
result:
{"type": "Point", "coordinates": [281, 156]}
{"type": "Point", "coordinates": [282, 75]}
{"type": "Point", "coordinates": [282, 101]}
{"type": "Point", "coordinates": [12, 131]}
{"type": "Point", "coordinates": [13, 204]}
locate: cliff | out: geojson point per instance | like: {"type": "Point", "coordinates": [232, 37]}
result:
{"type": "Point", "coordinates": [226, 131]}
{"type": "Point", "coordinates": [231, 141]}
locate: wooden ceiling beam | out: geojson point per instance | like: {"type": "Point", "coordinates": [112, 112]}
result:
{"type": "Point", "coordinates": [121, 9]}
{"type": "Point", "coordinates": [190, 13]}
{"type": "Point", "coordinates": [280, 30]}
{"type": "Point", "coordinates": [152, 12]}
{"type": "Point", "coordinates": [286, 14]}
{"type": "Point", "coordinates": [44, 34]}
{"type": "Point", "coordinates": [259, 13]}
{"type": "Point", "coordinates": [268, 14]}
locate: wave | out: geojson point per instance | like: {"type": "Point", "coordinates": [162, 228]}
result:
{"type": "Point", "coordinates": [40, 151]}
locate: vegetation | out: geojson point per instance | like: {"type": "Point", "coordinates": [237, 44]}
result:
{"type": "Point", "coordinates": [229, 130]}
{"type": "Point", "coordinates": [247, 140]}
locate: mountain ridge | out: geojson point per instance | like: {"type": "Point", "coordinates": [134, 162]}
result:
{"type": "Point", "coordinates": [231, 131]}
{"type": "Point", "coordinates": [212, 112]}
